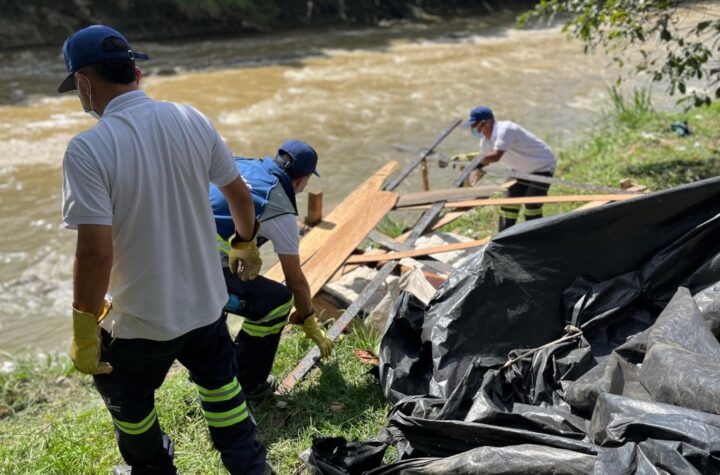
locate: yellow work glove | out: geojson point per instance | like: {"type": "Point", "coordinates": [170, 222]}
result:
{"type": "Point", "coordinates": [85, 348]}
{"type": "Point", "coordinates": [464, 157]}
{"type": "Point", "coordinates": [244, 256]}
{"type": "Point", "coordinates": [313, 331]}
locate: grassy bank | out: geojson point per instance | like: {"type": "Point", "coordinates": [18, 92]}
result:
{"type": "Point", "coordinates": [53, 422]}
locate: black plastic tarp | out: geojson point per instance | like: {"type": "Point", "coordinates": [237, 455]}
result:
{"type": "Point", "coordinates": [622, 306]}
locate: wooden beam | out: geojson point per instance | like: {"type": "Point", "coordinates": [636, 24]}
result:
{"type": "Point", "coordinates": [323, 264]}
{"type": "Point", "coordinates": [449, 195]}
{"type": "Point", "coordinates": [528, 200]}
{"type": "Point", "coordinates": [321, 234]}
{"type": "Point", "coordinates": [314, 215]}
{"type": "Point", "coordinates": [458, 246]}
{"type": "Point", "coordinates": [426, 175]}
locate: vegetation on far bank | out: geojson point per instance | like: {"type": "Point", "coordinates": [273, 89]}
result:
{"type": "Point", "coordinates": [53, 422]}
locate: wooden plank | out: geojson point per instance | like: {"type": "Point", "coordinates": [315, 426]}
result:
{"type": "Point", "coordinates": [447, 219]}
{"type": "Point", "coordinates": [314, 215]}
{"type": "Point", "coordinates": [317, 237]}
{"type": "Point", "coordinates": [449, 195]}
{"type": "Point", "coordinates": [323, 264]}
{"type": "Point", "coordinates": [458, 246]}
{"type": "Point", "coordinates": [531, 177]}
{"type": "Point", "coordinates": [528, 200]}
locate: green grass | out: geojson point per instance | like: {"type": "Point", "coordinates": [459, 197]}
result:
{"type": "Point", "coordinates": [634, 141]}
{"type": "Point", "coordinates": [55, 423]}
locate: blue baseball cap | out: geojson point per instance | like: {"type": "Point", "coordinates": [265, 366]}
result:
{"type": "Point", "coordinates": [478, 114]}
{"type": "Point", "coordinates": [304, 157]}
{"type": "Point", "coordinates": [90, 46]}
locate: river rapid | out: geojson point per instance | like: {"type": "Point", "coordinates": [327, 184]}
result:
{"type": "Point", "coordinates": [351, 93]}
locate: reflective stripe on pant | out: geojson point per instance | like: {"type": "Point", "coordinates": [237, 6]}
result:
{"type": "Point", "coordinates": [139, 368]}
{"type": "Point", "coordinates": [534, 211]}
{"type": "Point", "coordinates": [509, 214]}
{"type": "Point", "coordinates": [266, 311]}
{"type": "Point", "coordinates": [223, 406]}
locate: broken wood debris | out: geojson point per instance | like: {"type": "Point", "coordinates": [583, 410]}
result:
{"type": "Point", "coordinates": [387, 256]}
{"type": "Point", "coordinates": [527, 200]}
{"type": "Point", "coordinates": [451, 194]}
{"type": "Point", "coordinates": [330, 244]}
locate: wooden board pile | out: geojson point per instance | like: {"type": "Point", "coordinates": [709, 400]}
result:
{"type": "Point", "coordinates": [330, 249]}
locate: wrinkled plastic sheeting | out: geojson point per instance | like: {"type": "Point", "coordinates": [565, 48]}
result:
{"type": "Point", "coordinates": [337, 456]}
{"type": "Point", "coordinates": [497, 461]}
{"type": "Point", "coordinates": [639, 435]}
{"type": "Point", "coordinates": [636, 392]}
{"type": "Point", "coordinates": [611, 268]}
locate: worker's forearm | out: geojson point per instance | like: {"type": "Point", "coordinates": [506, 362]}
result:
{"type": "Point", "coordinates": [303, 299]}
{"type": "Point", "coordinates": [91, 277]}
{"type": "Point", "coordinates": [489, 158]}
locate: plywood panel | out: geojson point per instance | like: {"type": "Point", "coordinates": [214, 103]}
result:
{"type": "Point", "coordinates": [348, 236]}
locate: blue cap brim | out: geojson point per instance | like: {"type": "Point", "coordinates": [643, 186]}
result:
{"type": "Point", "coordinates": [68, 84]}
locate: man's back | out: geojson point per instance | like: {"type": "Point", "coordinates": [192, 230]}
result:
{"type": "Point", "coordinates": [523, 150]}
{"type": "Point", "coordinates": [146, 167]}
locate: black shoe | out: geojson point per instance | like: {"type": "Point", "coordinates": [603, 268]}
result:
{"type": "Point", "coordinates": [262, 391]}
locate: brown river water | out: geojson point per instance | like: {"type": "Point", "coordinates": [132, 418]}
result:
{"type": "Point", "coordinates": [351, 93]}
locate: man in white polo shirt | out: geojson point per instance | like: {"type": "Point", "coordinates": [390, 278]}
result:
{"type": "Point", "coordinates": [510, 144]}
{"type": "Point", "coordinates": [135, 188]}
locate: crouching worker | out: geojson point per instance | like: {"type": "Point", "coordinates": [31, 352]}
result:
{"type": "Point", "coordinates": [264, 303]}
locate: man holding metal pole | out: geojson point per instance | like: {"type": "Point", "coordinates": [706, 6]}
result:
{"type": "Point", "coordinates": [508, 143]}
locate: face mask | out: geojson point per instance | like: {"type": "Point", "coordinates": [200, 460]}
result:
{"type": "Point", "coordinates": [477, 134]}
{"type": "Point", "coordinates": [88, 109]}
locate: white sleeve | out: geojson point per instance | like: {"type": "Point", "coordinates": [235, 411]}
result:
{"type": "Point", "coordinates": [222, 166]}
{"type": "Point", "coordinates": [504, 137]}
{"type": "Point", "coordinates": [86, 194]}
{"type": "Point", "coordinates": [284, 234]}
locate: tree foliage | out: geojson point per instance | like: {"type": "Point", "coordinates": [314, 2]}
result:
{"type": "Point", "coordinates": [672, 41]}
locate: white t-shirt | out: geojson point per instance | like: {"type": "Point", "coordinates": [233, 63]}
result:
{"type": "Point", "coordinates": [523, 151]}
{"type": "Point", "coordinates": [145, 169]}
{"type": "Point", "coordinates": [284, 234]}
{"type": "Point", "coordinates": [279, 225]}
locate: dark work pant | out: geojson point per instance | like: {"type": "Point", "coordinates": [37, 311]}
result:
{"type": "Point", "coordinates": [509, 214]}
{"type": "Point", "coordinates": [139, 368]}
{"type": "Point", "coordinates": [266, 311]}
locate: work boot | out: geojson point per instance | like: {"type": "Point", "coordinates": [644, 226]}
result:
{"type": "Point", "coordinates": [262, 391]}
